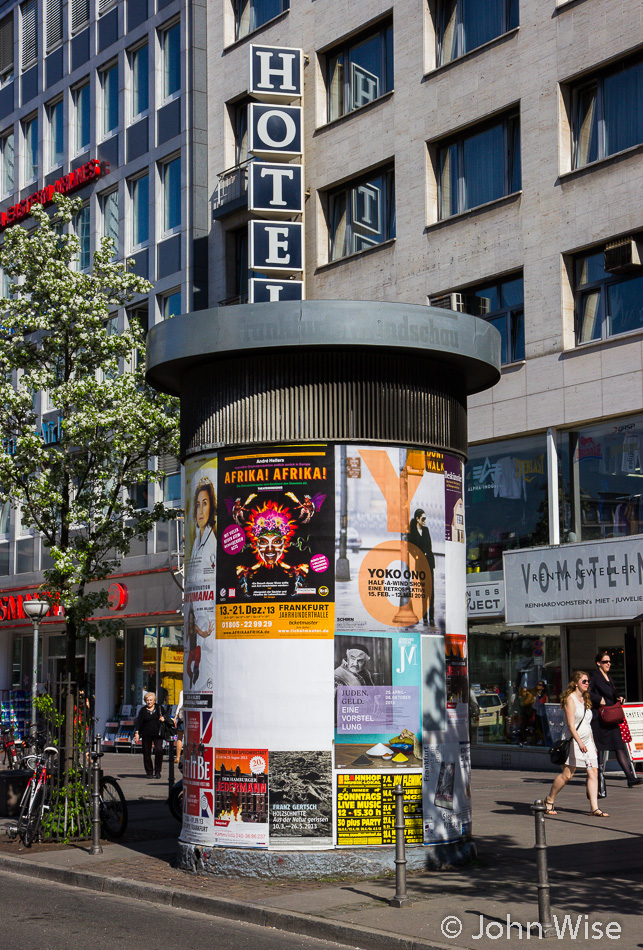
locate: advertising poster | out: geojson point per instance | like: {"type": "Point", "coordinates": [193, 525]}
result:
{"type": "Point", "coordinates": [392, 501]}
{"type": "Point", "coordinates": [301, 799]}
{"type": "Point", "coordinates": [199, 612]}
{"type": "Point", "coordinates": [453, 500]}
{"type": "Point", "coordinates": [434, 700]}
{"type": "Point", "coordinates": [275, 571]}
{"type": "Point", "coordinates": [446, 794]}
{"type": "Point", "coordinates": [366, 808]}
{"type": "Point", "coordinates": [634, 719]}
{"type": "Point", "coordinates": [377, 700]}
{"type": "Point", "coordinates": [241, 798]}
{"type": "Point", "coordinates": [198, 805]}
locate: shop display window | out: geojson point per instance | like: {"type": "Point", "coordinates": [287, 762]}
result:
{"type": "Point", "coordinates": [507, 704]}
{"type": "Point", "coordinates": [602, 480]}
{"type": "Point", "coordinates": [505, 500]}
{"type": "Point", "coordinates": [149, 658]}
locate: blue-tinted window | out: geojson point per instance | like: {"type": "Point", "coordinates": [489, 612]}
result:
{"type": "Point", "coordinates": [140, 90]}
{"type": "Point", "coordinates": [608, 113]}
{"type": "Point", "coordinates": [140, 210]}
{"type": "Point", "coordinates": [110, 99]}
{"type": "Point", "coordinates": [362, 214]}
{"type": "Point", "coordinates": [171, 60]}
{"type": "Point", "coordinates": [249, 15]}
{"type": "Point", "coordinates": [463, 25]}
{"type": "Point", "coordinates": [608, 302]}
{"type": "Point", "coordinates": [172, 194]}
{"type": "Point", "coordinates": [479, 166]}
{"type": "Point", "coordinates": [360, 72]}
{"type": "Point", "coordinates": [81, 99]}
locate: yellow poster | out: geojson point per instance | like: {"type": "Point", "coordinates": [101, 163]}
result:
{"type": "Point", "coordinates": [366, 808]}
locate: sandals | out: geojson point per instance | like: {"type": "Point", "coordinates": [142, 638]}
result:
{"type": "Point", "coordinates": [598, 813]}
{"type": "Point", "coordinates": [549, 807]}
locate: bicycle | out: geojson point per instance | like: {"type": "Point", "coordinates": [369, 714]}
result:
{"type": "Point", "coordinates": [113, 808]}
{"type": "Point", "coordinates": [175, 800]}
{"type": "Point", "coordinates": [8, 744]}
{"type": "Point", "coordinates": [36, 798]}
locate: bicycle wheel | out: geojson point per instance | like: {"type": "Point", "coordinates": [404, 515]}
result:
{"type": "Point", "coordinates": [113, 808]}
{"type": "Point", "coordinates": [175, 800]}
{"type": "Point", "coordinates": [34, 816]}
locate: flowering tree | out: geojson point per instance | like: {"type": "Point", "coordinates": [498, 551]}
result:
{"type": "Point", "coordinates": [74, 480]}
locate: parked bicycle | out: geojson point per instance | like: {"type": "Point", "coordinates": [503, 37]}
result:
{"type": "Point", "coordinates": [113, 808]}
{"type": "Point", "coordinates": [8, 745]}
{"type": "Point", "coordinates": [36, 799]}
{"type": "Point", "coordinates": [175, 800]}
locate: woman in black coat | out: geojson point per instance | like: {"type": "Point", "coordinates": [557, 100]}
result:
{"type": "Point", "coordinates": [607, 736]}
{"type": "Point", "coordinates": [147, 725]}
{"type": "Point", "coordinates": [420, 536]}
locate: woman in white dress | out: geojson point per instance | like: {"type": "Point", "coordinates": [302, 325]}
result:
{"type": "Point", "coordinates": [577, 704]}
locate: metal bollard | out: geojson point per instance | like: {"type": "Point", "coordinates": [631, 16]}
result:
{"type": "Point", "coordinates": [97, 754]}
{"type": "Point", "coordinates": [401, 898]}
{"type": "Point", "coordinates": [544, 907]}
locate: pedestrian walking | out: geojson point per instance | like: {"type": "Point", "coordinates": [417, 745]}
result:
{"type": "Point", "coordinates": [147, 726]}
{"type": "Point", "coordinates": [577, 703]}
{"type": "Point", "coordinates": [607, 735]}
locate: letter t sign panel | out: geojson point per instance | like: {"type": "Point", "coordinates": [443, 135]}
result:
{"type": "Point", "coordinates": [275, 246]}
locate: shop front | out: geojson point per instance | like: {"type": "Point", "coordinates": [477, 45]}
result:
{"type": "Point", "coordinates": [537, 608]}
{"type": "Point", "coordinates": [146, 652]}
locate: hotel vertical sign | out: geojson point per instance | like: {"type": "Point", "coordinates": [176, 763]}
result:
{"type": "Point", "coordinates": [275, 180]}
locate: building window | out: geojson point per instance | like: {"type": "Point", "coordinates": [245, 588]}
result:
{"type": "Point", "coordinates": [499, 302]}
{"type": "Point", "coordinates": [29, 16]}
{"type": "Point", "coordinates": [607, 113]}
{"type": "Point", "coordinates": [359, 72]}
{"type": "Point", "coordinates": [362, 214]}
{"type": "Point", "coordinates": [81, 105]}
{"type": "Point", "coordinates": [171, 180]}
{"type": "Point", "coordinates": [240, 129]}
{"type": "Point", "coordinates": [505, 500]}
{"type": "Point", "coordinates": [30, 137]}
{"type": "Point", "coordinates": [7, 156]}
{"type": "Point", "coordinates": [56, 134]}
{"type": "Point", "coordinates": [171, 304]}
{"type": "Point", "coordinates": [82, 230]}
{"type": "Point", "coordinates": [479, 166]}
{"type": "Point", "coordinates": [105, 5]}
{"type": "Point", "coordinates": [463, 25]}
{"type": "Point", "coordinates": [109, 83]}
{"type": "Point", "coordinates": [140, 88]}
{"type": "Point", "coordinates": [109, 208]}
{"type": "Point", "coordinates": [79, 14]}
{"type": "Point", "coordinates": [171, 45]}
{"type": "Point", "coordinates": [54, 23]}
{"type": "Point", "coordinates": [249, 15]}
{"type": "Point", "coordinates": [608, 290]}
{"type": "Point", "coordinates": [140, 193]}
{"type": "Point", "coordinates": [600, 467]}
{"type": "Point", "coordinates": [6, 49]}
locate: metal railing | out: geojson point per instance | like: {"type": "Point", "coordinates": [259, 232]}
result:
{"type": "Point", "coordinates": [232, 183]}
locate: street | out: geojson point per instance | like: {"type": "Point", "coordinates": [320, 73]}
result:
{"type": "Point", "coordinates": [44, 916]}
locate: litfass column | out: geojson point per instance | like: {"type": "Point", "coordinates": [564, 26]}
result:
{"type": "Point", "coordinates": [324, 605]}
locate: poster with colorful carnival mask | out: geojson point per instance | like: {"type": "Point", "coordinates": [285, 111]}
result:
{"type": "Point", "coordinates": [275, 555]}
{"type": "Point", "coordinates": [200, 586]}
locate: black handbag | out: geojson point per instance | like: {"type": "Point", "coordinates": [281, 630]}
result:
{"type": "Point", "coordinates": [559, 752]}
{"type": "Point", "coordinates": [166, 728]}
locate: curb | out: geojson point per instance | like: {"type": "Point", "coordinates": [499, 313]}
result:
{"type": "Point", "coordinates": [366, 938]}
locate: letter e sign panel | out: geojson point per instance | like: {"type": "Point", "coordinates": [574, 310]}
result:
{"type": "Point", "coordinates": [274, 131]}
{"type": "Point", "coordinates": [275, 189]}
{"type": "Point", "coordinates": [276, 73]}
{"type": "Point", "coordinates": [275, 246]}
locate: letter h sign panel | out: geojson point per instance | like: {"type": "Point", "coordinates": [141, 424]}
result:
{"type": "Point", "coordinates": [276, 73]}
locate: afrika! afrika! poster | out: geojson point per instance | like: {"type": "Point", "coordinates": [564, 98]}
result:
{"type": "Point", "coordinates": [275, 569]}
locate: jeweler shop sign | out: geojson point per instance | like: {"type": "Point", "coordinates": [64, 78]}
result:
{"type": "Point", "coordinates": [597, 580]}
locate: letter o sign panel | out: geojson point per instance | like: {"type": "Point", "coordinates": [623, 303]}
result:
{"type": "Point", "coordinates": [274, 131]}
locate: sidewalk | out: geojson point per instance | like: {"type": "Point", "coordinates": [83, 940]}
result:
{"type": "Point", "coordinates": [596, 869]}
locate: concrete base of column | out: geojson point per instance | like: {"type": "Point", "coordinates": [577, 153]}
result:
{"type": "Point", "coordinates": [298, 865]}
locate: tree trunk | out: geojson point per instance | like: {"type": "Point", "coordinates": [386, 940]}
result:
{"type": "Point", "coordinates": [70, 648]}
{"type": "Point", "coordinates": [70, 678]}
